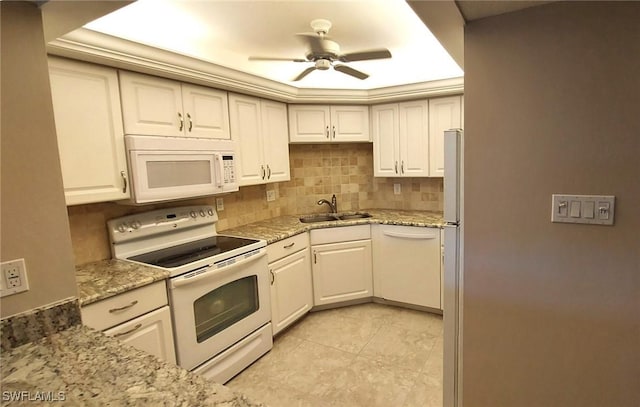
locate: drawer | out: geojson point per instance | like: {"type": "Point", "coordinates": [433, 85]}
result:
{"type": "Point", "coordinates": [278, 250]}
{"type": "Point", "coordinates": [123, 307]}
{"type": "Point", "coordinates": [340, 234]}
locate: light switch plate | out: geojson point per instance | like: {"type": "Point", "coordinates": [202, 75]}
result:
{"type": "Point", "coordinates": [589, 209]}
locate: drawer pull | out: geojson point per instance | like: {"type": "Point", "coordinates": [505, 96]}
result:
{"type": "Point", "coordinates": [290, 245]}
{"type": "Point", "coordinates": [135, 328]}
{"type": "Point", "coordinates": [134, 302]}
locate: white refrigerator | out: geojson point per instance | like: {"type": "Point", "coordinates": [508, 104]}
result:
{"type": "Point", "coordinates": [453, 261]}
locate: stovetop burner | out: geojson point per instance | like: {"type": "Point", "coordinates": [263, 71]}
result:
{"type": "Point", "coordinates": [186, 253]}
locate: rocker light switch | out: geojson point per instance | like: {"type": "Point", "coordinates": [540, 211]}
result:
{"type": "Point", "coordinates": [590, 209]}
{"type": "Point", "coordinates": [574, 211]}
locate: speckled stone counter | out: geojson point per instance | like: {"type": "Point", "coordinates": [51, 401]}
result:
{"type": "Point", "coordinates": [106, 278]}
{"type": "Point", "coordinates": [282, 227]}
{"type": "Point", "coordinates": [83, 367]}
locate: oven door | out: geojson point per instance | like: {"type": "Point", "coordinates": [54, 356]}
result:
{"type": "Point", "coordinates": [216, 307]}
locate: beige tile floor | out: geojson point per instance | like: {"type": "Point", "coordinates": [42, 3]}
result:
{"type": "Point", "coordinates": [365, 355]}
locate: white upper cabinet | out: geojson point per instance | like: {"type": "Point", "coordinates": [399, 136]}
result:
{"type": "Point", "coordinates": [163, 107]}
{"type": "Point", "coordinates": [259, 130]}
{"type": "Point", "coordinates": [444, 114]}
{"type": "Point", "coordinates": [401, 139]}
{"type": "Point", "coordinates": [86, 106]}
{"type": "Point", "coordinates": [328, 124]}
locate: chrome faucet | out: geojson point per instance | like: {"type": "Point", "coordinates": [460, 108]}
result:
{"type": "Point", "coordinates": [333, 204]}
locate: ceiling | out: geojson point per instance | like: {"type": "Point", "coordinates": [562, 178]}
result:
{"type": "Point", "coordinates": [226, 33]}
{"type": "Point", "coordinates": [219, 35]}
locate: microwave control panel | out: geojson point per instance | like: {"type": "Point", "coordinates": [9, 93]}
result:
{"type": "Point", "coordinates": [229, 169]}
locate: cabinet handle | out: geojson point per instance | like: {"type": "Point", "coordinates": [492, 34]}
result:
{"type": "Point", "coordinates": [396, 167]}
{"type": "Point", "coordinates": [134, 302]}
{"type": "Point", "coordinates": [327, 130]}
{"type": "Point", "coordinates": [268, 172]}
{"type": "Point", "coordinates": [190, 122]}
{"type": "Point", "coordinates": [315, 257]}
{"type": "Point", "coordinates": [273, 277]}
{"type": "Point", "coordinates": [334, 131]}
{"type": "Point", "coordinates": [135, 328]}
{"type": "Point", "coordinates": [124, 181]}
{"type": "Point", "coordinates": [181, 121]}
{"type": "Point", "coordinates": [263, 171]}
{"type": "Point", "coordinates": [290, 245]}
{"type": "Point", "coordinates": [402, 167]}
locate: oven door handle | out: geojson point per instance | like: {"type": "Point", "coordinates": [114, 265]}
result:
{"type": "Point", "coordinates": [181, 281]}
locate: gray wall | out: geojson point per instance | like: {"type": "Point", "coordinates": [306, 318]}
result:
{"type": "Point", "coordinates": [34, 218]}
{"type": "Point", "coordinates": [552, 311]}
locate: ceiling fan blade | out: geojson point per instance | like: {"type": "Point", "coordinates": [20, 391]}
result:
{"type": "Point", "coordinates": [304, 73]}
{"type": "Point", "coordinates": [350, 71]}
{"type": "Point", "coordinates": [277, 59]}
{"type": "Point", "coordinates": [380, 53]}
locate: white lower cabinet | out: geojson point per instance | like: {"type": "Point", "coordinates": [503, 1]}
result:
{"type": "Point", "coordinates": [341, 264]}
{"type": "Point", "coordinates": [407, 265]}
{"type": "Point", "coordinates": [139, 317]}
{"type": "Point", "coordinates": [150, 333]}
{"type": "Point", "coordinates": [291, 286]}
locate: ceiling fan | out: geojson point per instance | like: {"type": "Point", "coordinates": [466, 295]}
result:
{"type": "Point", "coordinates": [325, 53]}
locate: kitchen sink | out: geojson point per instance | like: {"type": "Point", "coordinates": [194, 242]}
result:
{"type": "Point", "coordinates": [333, 217]}
{"type": "Point", "coordinates": [357, 215]}
{"type": "Point", "coordinates": [317, 218]}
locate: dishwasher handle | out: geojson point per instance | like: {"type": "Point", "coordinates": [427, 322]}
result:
{"type": "Point", "coordinates": [207, 271]}
{"type": "Point", "coordinates": [415, 236]}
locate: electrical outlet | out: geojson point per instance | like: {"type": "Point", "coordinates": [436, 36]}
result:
{"type": "Point", "coordinates": [219, 204]}
{"type": "Point", "coordinates": [271, 196]}
{"type": "Point", "coordinates": [397, 189]}
{"type": "Point", "coordinates": [14, 277]}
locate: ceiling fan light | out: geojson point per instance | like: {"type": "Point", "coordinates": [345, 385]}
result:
{"type": "Point", "coordinates": [323, 64]}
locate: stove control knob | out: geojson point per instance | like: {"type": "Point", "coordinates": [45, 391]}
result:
{"type": "Point", "coordinates": [193, 214]}
{"type": "Point", "coordinates": [201, 212]}
{"type": "Point", "coordinates": [122, 227]}
{"type": "Point", "coordinates": [210, 212]}
{"type": "Point", "coordinates": [136, 224]}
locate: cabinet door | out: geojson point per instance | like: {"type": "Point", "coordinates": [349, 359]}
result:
{"type": "Point", "coordinates": [309, 124]}
{"type": "Point", "coordinates": [151, 333]}
{"type": "Point", "coordinates": [407, 264]}
{"type": "Point", "coordinates": [350, 123]}
{"type": "Point", "coordinates": [385, 140]}
{"type": "Point", "coordinates": [444, 114]}
{"type": "Point", "coordinates": [206, 112]}
{"type": "Point", "coordinates": [291, 289]}
{"type": "Point", "coordinates": [275, 140]}
{"type": "Point", "coordinates": [86, 106]}
{"type": "Point", "coordinates": [245, 117]}
{"type": "Point", "coordinates": [341, 272]}
{"type": "Point", "coordinates": [151, 105]}
{"type": "Point", "coordinates": [414, 139]}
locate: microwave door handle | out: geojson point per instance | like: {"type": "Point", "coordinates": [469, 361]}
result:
{"type": "Point", "coordinates": [219, 171]}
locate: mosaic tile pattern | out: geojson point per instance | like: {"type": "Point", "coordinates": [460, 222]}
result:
{"type": "Point", "coordinates": [317, 171]}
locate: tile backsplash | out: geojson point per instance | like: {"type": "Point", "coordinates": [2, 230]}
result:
{"type": "Point", "coordinates": [317, 171]}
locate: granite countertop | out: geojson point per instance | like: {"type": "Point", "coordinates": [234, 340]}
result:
{"type": "Point", "coordinates": [86, 368]}
{"type": "Point", "coordinates": [282, 227]}
{"type": "Point", "coordinates": [103, 279]}
{"type": "Point", "coordinates": [106, 278]}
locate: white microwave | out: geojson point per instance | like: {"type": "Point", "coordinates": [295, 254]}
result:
{"type": "Point", "coordinates": [171, 168]}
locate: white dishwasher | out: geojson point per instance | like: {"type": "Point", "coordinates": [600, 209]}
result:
{"type": "Point", "coordinates": [406, 265]}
